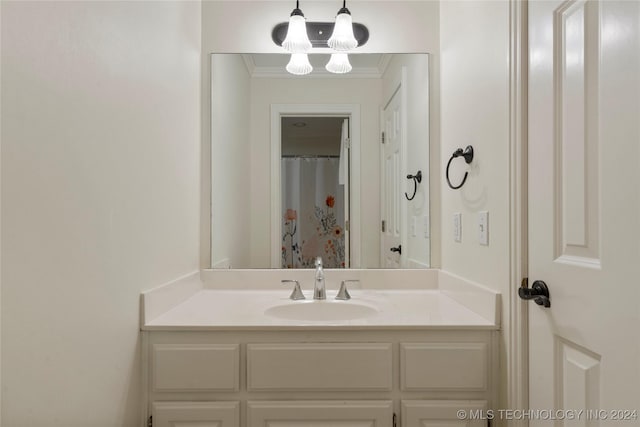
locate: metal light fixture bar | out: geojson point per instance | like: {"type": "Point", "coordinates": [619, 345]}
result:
{"type": "Point", "coordinates": [319, 33]}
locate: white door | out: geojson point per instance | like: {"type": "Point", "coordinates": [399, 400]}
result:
{"type": "Point", "coordinates": [391, 250]}
{"type": "Point", "coordinates": [584, 214]}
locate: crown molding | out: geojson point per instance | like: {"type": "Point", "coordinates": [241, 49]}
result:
{"type": "Point", "coordinates": [317, 73]}
{"type": "Point", "coordinates": [385, 59]}
{"type": "Point", "coordinates": [249, 63]}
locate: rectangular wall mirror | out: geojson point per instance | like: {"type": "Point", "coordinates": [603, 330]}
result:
{"type": "Point", "coordinates": [321, 164]}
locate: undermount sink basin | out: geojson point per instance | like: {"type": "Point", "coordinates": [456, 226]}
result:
{"type": "Point", "coordinates": [326, 310]}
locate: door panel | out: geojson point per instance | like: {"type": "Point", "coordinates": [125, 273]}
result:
{"type": "Point", "coordinates": [584, 231]}
{"type": "Point", "coordinates": [392, 174]}
{"type": "Point", "coordinates": [576, 34]}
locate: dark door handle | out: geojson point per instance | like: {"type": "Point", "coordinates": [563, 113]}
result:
{"type": "Point", "coordinates": [539, 293]}
{"type": "Point", "coordinates": [398, 249]}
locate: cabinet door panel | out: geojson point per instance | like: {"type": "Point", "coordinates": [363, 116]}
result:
{"type": "Point", "coordinates": [444, 366]}
{"type": "Point", "coordinates": [196, 367]}
{"type": "Point", "coordinates": [319, 366]}
{"type": "Point", "coordinates": [370, 413]}
{"type": "Point", "coordinates": [195, 414]}
{"type": "Point", "coordinates": [444, 413]}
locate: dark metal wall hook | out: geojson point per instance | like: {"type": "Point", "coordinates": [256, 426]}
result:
{"type": "Point", "coordinates": [417, 179]}
{"type": "Point", "coordinates": [468, 158]}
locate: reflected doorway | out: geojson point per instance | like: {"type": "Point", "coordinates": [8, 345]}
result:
{"type": "Point", "coordinates": [314, 171]}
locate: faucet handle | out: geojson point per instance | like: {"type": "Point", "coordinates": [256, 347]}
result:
{"type": "Point", "coordinates": [296, 294]}
{"type": "Point", "coordinates": [318, 262]}
{"type": "Point", "coordinates": [343, 293]}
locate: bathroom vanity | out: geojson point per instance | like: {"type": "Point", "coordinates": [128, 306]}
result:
{"type": "Point", "coordinates": [231, 351]}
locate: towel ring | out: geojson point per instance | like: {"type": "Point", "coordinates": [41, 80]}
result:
{"type": "Point", "coordinates": [417, 179]}
{"type": "Point", "coordinates": [468, 157]}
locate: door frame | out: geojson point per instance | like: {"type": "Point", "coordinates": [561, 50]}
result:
{"type": "Point", "coordinates": [352, 111]}
{"type": "Point", "coordinates": [515, 325]}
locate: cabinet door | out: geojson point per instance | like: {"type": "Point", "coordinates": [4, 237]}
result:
{"type": "Point", "coordinates": [322, 413]}
{"type": "Point", "coordinates": [450, 413]}
{"type": "Point", "coordinates": [195, 414]}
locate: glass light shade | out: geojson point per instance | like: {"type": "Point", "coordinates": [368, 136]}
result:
{"type": "Point", "coordinates": [297, 40]}
{"type": "Point", "coordinates": [299, 64]}
{"type": "Point", "coordinates": [339, 63]}
{"type": "Point", "coordinates": [342, 38]}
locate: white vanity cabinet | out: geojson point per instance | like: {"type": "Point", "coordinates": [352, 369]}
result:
{"type": "Point", "coordinates": [450, 413]}
{"type": "Point", "coordinates": [351, 413]}
{"type": "Point", "coordinates": [195, 414]}
{"type": "Point", "coordinates": [318, 377]}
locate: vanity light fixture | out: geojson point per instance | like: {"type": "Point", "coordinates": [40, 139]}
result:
{"type": "Point", "coordinates": [342, 39]}
{"type": "Point", "coordinates": [297, 40]}
{"type": "Point", "coordinates": [339, 63]}
{"type": "Point", "coordinates": [299, 64]}
{"type": "Point", "coordinates": [319, 33]}
{"type": "Point", "coordinates": [298, 37]}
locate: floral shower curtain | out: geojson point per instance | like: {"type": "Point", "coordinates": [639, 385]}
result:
{"type": "Point", "coordinates": [312, 213]}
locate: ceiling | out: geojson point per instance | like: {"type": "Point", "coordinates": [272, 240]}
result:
{"type": "Point", "coordinates": [311, 135]}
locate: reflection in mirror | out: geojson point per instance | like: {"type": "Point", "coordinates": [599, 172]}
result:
{"type": "Point", "coordinates": [314, 165]}
{"type": "Point", "coordinates": [314, 188]}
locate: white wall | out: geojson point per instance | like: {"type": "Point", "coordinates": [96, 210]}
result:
{"type": "Point", "coordinates": [100, 197]}
{"type": "Point", "coordinates": [252, 33]}
{"type": "Point", "coordinates": [417, 148]}
{"type": "Point", "coordinates": [475, 110]}
{"type": "Point", "coordinates": [231, 97]}
{"type": "Point", "coordinates": [267, 91]}
{"type": "Point", "coordinates": [0, 221]}
{"type": "Point", "coordinates": [415, 31]}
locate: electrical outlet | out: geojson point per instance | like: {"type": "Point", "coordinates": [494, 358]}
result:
{"type": "Point", "coordinates": [457, 227]}
{"type": "Point", "coordinates": [483, 228]}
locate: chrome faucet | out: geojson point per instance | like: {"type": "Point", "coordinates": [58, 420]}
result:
{"type": "Point", "coordinates": [319, 291]}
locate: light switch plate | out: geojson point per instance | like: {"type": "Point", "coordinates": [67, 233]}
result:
{"type": "Point", "coordinates": [425, 225]}
{"type": "Point", "coordinates": [414, 226]}
{"type": "Point", "coordinates": [483, 228]}
{"type": "Point", "coordinates": [457, 227]}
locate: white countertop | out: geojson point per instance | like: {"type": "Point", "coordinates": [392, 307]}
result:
{"type": "Point", "coordinates": [225, 309]}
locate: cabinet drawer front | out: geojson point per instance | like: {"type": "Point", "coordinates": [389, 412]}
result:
{"type": "Point", "coordinates": [196, 367]}
{"type": "Point", "coordinates": [196, 414]}
{"type": "Point", "coordinates": [451, 413]}
{"type": "Point", "coordinates": [443, 366]}
{"type": "Point", "coordinates": [370, 413]}
{"type": "Point", "coordinates": [326, 366]}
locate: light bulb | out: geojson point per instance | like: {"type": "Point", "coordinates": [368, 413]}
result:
{"type": "Point", "coordinates": [299, 64]}
{"type": "Point", "coordinates": [297, 40]}
{"type": "Point", "coordinates": [339, 63]}
{"type": "Point", "coordinates": [342, 38]}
